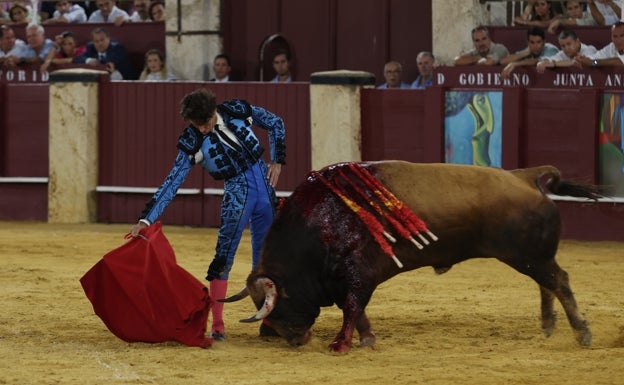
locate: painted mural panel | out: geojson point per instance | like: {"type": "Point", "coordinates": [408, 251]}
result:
{"type": "Point", "coordinates": [610, 143]}
{"type": "Point", "coordinates": [472, 127]}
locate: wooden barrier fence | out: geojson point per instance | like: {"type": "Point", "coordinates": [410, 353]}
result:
{"type": "Point", "coordinates": [544, 122]}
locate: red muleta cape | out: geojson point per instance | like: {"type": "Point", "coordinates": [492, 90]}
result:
{"type": "Point", "coordinates": [143, 295]}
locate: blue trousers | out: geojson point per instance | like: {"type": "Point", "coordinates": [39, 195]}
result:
{"type": "Point", "coordinates": [247, 199]}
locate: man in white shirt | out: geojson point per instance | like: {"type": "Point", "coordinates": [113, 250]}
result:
{"type": "Point", "coordinates": [10, 47]}
{"type": "Point", "coordinates": [574, 16]}
{"type": "Point", "coordinates": [571, 47]}
{"type": "Point", "coordinates": [141, 11]}
{"type": "Point", "coordinates": [67, 13]}
{"type": "Point", "coordinates": [612, 55]}
{"type": "Point", "coordinates": [221, 67]}
{"type": "Point", "coordinates": [38, 46]}
{"type": "Point", "coordinates": [108, 12]}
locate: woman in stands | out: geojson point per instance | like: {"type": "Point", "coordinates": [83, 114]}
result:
{"type": "Point", "coordinates": [157, 10]}
{"type": "Point", "coordinates": [155, 67]}
{"type": "Point", "coordinates": [19, 14]}
{"type": "Point", "coordinates": [538, 13]}
{"type": "Point", "coordinates": [65, 49]}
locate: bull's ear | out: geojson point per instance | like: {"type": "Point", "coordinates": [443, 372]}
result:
{"type": "Point", "coordinates": [282, 293]}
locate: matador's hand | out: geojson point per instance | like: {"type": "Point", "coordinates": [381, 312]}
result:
{"type": "Point", "coordinates": [216, 268]}
{"type": "Point", "coordinates": [274, 172]}
{"type": "Point", "coordinates": [136, 229]}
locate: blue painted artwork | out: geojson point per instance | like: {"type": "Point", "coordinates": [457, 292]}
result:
{"type": "Point", "coordinates": [473, 132]}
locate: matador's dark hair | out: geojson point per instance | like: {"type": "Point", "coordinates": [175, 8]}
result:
{"type": "Point", "coordinates": [198, 106]}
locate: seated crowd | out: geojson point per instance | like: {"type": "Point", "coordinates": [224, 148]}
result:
{"type": "Point", "coordinates": [102, 51]}
{"type": "Point", "coordinates": [542, 55]}
{"type": "Point", "coordinates": [539, 16]}
{"type": "Point", "coordinates": [98, 11]}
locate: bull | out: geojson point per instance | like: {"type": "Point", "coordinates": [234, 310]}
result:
{"type": "Point", "coordinates": [322, 250]}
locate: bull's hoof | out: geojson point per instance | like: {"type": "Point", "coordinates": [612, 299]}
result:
{"type": "Point", "coordinates": [548, 324]}
{"type": "Point", "coordinates": [340, 347]}
{"type": "Point", "coordinates": [367, 339]}
{"type": "Point", "coordinates": [584, 337]}
{"type": "Point", "coordinates": [548, 329]}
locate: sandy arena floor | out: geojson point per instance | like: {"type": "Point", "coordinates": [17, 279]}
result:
{"type": "Point", "coordinates": [477, 324]}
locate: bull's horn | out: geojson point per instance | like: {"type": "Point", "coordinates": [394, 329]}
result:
{"type": "Point", "coordinates": [270, 295]}
{"type": "Point", "coordinates": [236, 297]}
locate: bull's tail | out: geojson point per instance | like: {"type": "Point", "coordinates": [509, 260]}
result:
{"type": "Point", "coordinates": [555, 184]}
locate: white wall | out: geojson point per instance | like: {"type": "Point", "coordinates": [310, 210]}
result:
{"type": "Point", "coordinates": [190, 57]}
{"type": "Point", "coordinates": [452, 21]}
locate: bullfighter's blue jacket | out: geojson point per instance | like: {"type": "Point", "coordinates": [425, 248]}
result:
{"type": "Point", "coordinates": [219, 159]}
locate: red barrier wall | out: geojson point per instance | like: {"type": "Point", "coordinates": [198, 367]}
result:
{"type": "Point", "coordinates": [24, 151]}
{"type": "Point", "coordinates": [402, 124]}
{"type": "Point", "coordinates": [26, 111]}
{"type": "Point", "coordinates": [140, 124]}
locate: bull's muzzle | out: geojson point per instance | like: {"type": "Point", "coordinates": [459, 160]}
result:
{"type": "Point", "coordinates": [300, 340]}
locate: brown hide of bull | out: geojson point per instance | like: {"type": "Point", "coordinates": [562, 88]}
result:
{"type": "Point", "coordinates": [318, 252]}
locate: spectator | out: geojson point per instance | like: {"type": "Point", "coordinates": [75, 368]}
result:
{"type": "Point", "coordinates": [538, 48]}
{"type": "Point", "coordinates": [108, 13]}
{"type": "Point", "coordinates": [485, 51]}
{"type": "Point", "coordinates": [155, 67]}
{"type": "Point", "coordinates": [103, 50]}
{"type": "Point", "coordinates": [10, 47]}
{"type": "Point", "coordinates": [575, 16]}
{"type": "Point", "coordinates": [65, 49]}
{"type": "Point", "coordinates": [157, 10]}
{"type": "Point", "coordinates": [425, 62]}
{"type": "Point", "coordinates": [221, 67]}
{"type": "Point", "coordinates": [281, 65]}
{"type": "Point", "coordinates": [571, 46]}
{"type": "Point", "coordinates": [18, 13]}
{"type": "Point", "coordinates": [392, 75]}
{"type": "Point", "coordinates": [46, 9]}
{"type": "Point", "coordinates": [612, 55]}
{"type": "Point", "coordinates": [538, 13]}
{"type": "Point", "coordinates": [38, 46]}
{"type": "Point", "coordinates": [141, 11]}
{"type": "Point", "coordinates": [605, 12]}
{"type": "Point", "coordinates": [66, 12]}
{"type": "Point", "coordinates": [220, 139]}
